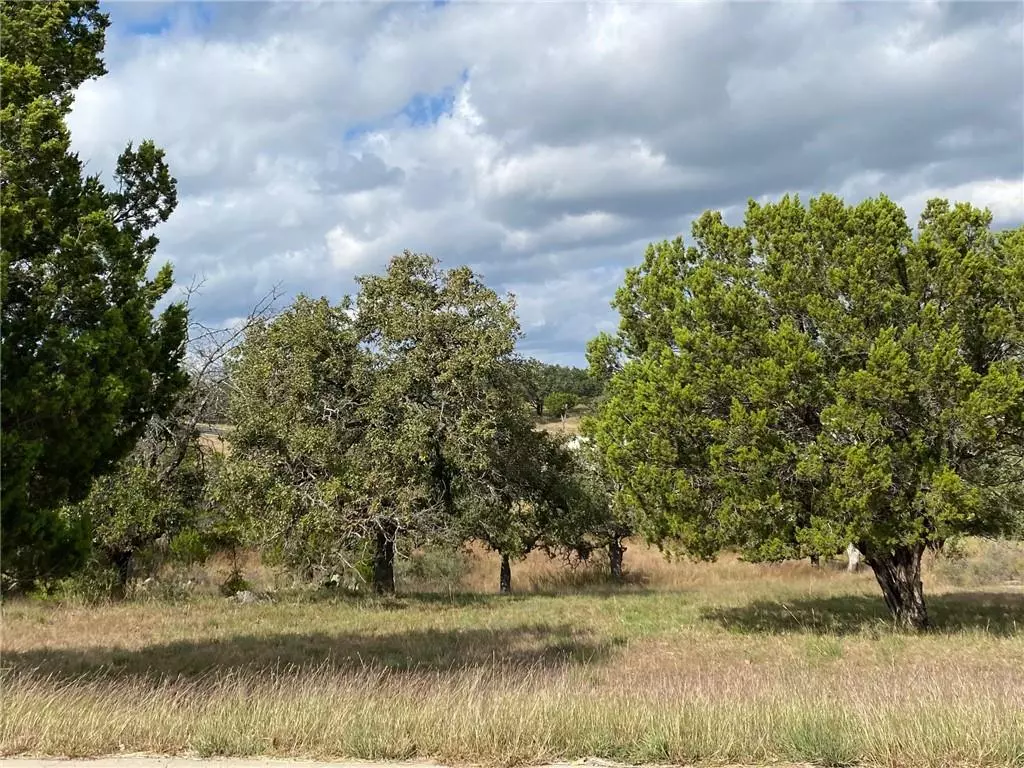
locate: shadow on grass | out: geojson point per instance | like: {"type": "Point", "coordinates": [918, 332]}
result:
{"type": "Point", "coordinates": [589, 580]}
{"type": "Point", "coordinates": [440, 598]}
{"type": "Point", "coordinates": [540, 645]}
{"type": "Point", "coordinates": [997, 613]}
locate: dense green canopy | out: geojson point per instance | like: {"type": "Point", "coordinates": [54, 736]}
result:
{"type": "Point", "coordinates": [85, 363]}
{"type": "Point", "coordinates": [819, 375]}
{"type": "Point", "coordinates": [398, 414]}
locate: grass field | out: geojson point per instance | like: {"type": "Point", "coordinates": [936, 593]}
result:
{"type": "Point", "coordinates": [709, 664]}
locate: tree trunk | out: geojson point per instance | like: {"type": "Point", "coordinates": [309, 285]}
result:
{"type": "Point", "coordinates": [815, 561]}
{"type": "Point", "coordinates": [898, 573]}
{"type": "Point", "coordinates": [123, 563]}
{"type": "Point", "coordinates": [853, 557]}
{"type": "Point", "coordinates": [384, 561]}
{"type": "Point", "coordinates": [615, 552]}
{"type": "Point", "coordinates": [505, 581]}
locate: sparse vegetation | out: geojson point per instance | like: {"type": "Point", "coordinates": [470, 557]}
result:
{"type": "Point", "coordinates": [974, 562]}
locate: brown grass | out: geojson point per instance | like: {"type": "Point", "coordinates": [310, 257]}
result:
{"type": "Point", "coordinates": [571, 425]}
{"type": "Point", "coordinates": [710, 664]}
{"type": "Point", "coordinates": [217, 441]}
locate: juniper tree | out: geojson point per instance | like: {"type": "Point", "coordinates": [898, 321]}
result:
{"type": "Point", "coordinates": [85, 362]}
{"type": "Point", "coordinates": [819, 375]}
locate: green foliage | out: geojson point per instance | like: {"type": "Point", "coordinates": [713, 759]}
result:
{"type": "Point", "coordinates": [398, 414]}
{"type": "Point", "coordinates": [559, 404]}
{"type": "Point", "coordinates": [234, 583]}
{"type": "Point", "coordinates": [127, 509]}
{"type": "Point", "coordinates": [540, 380]}
{"type": "Point", "coordinates": [190, 547]}
{"type": "Point", "coordinates": [603, 517]}
{"type": "Point", "coordinates": [443, 408]}
{"type": "Point", "coordinates": [62, 546]}
{"type": "Point", "coordinates": [603, 357]}
{"type": "Point", "coordinates": [527, 499]}
{"type": "Point", "coordinates": [295, 409]}
{"type": "Point", "coordinates": [140, 514]}
{"type": "Point", "coordinates": [362, 564]}
{"type": "Point", "coordinates": [92, 584]}
{"type": "Point", "coordinates": [818, 375]}
{"type": "Point", "coordinates": [85, 363]}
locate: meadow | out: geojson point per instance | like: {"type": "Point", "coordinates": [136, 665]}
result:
{"type": "Point", "coordinates": [688, 663]}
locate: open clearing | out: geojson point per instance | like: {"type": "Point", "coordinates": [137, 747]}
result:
{"type": "Point", "coordinates": [703, 664]}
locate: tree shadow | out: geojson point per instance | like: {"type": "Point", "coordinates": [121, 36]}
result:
{"type": "Point", "coordinates": [397, 602]}
{"type": "Point", "coordinates": [456, 599]}
{"type": "Point", "coordinates": [589, 581]}
{"type": "Point", "coordinates": [539, 645]}
{"type": "Point", "coordinates": [997, 613]}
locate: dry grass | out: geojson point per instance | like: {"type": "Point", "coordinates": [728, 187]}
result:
{"type": "Point", "coordinates": [571, 425]}
{"type": "Point", "coordinates": [215, 436]}
{"type": "Point", "coordinates": [708, 664]}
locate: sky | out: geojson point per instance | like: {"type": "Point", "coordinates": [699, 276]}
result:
{"type": "Point", "coordinates": [545, 144]}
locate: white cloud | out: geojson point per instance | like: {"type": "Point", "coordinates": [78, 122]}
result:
{"type": "Point", "coordinates": [575, 133]}
{"type": "Point", "coordinates": [1004, 197]}
{"type": "Point", "coordinates": [346, 252]}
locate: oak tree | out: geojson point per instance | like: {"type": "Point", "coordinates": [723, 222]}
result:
{"type": "Point", "coordinates": [376, 420]}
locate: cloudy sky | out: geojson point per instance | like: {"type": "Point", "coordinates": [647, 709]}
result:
{"type": "Point", "coordinates": [545, 144]}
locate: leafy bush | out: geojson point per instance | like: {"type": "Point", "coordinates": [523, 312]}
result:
{"type": "Point", "coordinates": [94, 583]}
{"type": "Point", "coordinates": [559, 403]}
{"type": "Point", "coordinates": [234, 584]}
{"type": "Point", "coordinates": [190, 547]}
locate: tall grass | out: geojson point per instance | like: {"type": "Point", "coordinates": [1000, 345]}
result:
{"type": "Point", "coordinates": [512, 714]}
{"type": "Point", "coordinates": [705, 664]}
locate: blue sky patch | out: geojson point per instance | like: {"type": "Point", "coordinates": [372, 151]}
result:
{"type": "Point", "coordinates": [427, 108]}
{"type": "Point", "coordinates": [149, 27]}
{"type": "Point", "coordinates": [143, 19]}
{"type": "Point", "coordinates": [421, 109]}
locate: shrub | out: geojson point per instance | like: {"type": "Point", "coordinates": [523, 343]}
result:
{"type": "Point", "coordinates": [190, 548]}
{"type": "Point", "coordinates": [234, 583]}
{"type": "Point", "coordinates": [94, 583]}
